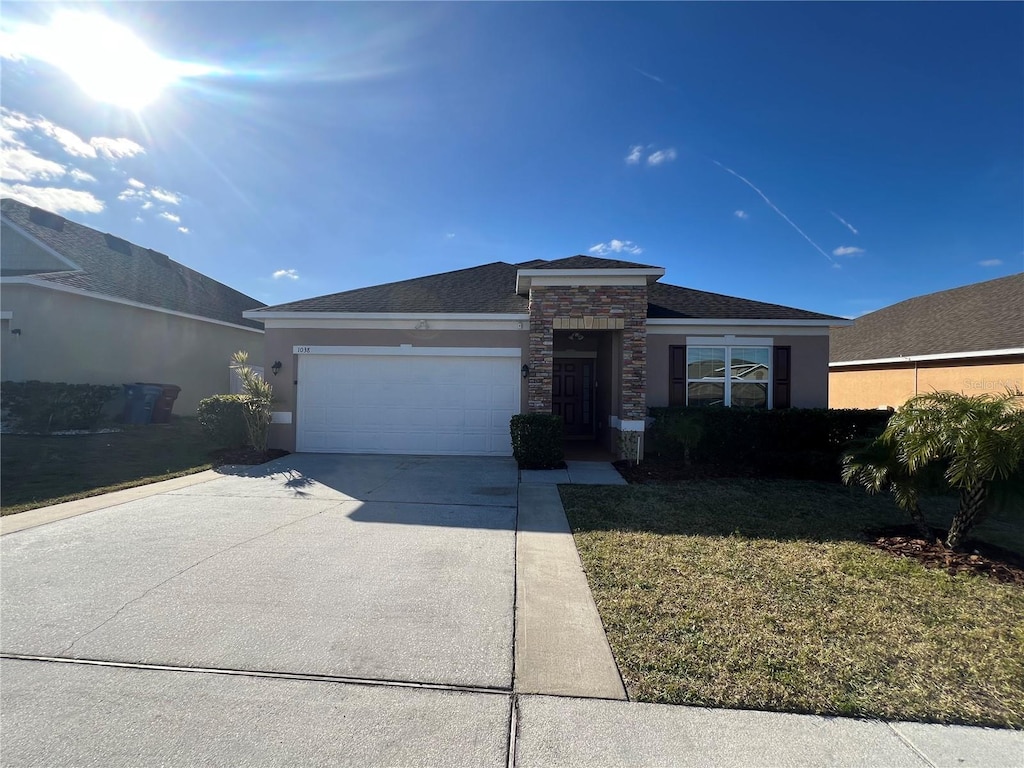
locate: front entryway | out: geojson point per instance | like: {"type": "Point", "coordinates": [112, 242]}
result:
{"type": "Point", "coordinates": [572, 395]}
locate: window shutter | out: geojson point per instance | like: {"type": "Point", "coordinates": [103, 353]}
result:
{"type": "Point", "coordinates": [677, 376]}
{"type": "Point", "coordinates": [780, 389]}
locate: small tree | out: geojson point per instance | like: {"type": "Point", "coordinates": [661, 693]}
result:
{"type": "Point", "coordinates": [874, 465]}
{"type": "Point", "coordinates": [257, 406]}
{"type": "Point", "coordinates": [978, 440]}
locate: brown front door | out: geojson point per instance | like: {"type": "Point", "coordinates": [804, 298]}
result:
{"type": "Point", "coordinates": [572, 395]}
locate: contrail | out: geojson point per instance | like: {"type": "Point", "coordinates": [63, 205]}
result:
{"type": "Point", "coordinates": [774, 207]}
{"type": "Point", "coordinates": [849, 226]}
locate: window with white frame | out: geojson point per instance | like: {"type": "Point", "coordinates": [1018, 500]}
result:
{"type": "Point", "coordinates": [736, 376]}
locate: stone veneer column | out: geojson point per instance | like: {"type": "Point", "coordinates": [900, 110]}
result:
{"type": "Point", "coordinates": [610, 307]}
{"type": "Point", "coordinates": [542, 346]}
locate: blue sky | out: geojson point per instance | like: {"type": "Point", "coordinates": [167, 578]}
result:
{"type": "Point", "coordinates": [837, 157]}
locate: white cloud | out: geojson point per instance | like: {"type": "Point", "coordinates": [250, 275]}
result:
{"type": "Point", "coordinates": [845, 223]}
{"type": "Point", "coordinates": [136, 183]}
{"type": "Point", "coordinates": [171, 217]}
{"type": "Point", "coordinates": [847, 250]}
{"type": "Point", "coordinates": [18, 163]}
{"type": "Point", "coordinates": [147, 205]}
{"type": "Point", "coordinates": [69, 140]}
{"type": "Point", "coordinates": [78, 175]}
{"type": "Point", "coordinates": [183, 230]}
{"type": "Point", "coordinates": [635, 153]}
{"type": "Point", "coordinates": [741, 215]}
{"type": "Point", "coordinates": [116, 148]}
{"type": "Point", "coordinates": [291, 274]}
{"type": "Point", "coordinates": [53, 198]}
{"type": "Point", "coordinates": [165, 197]}
{"type": "Point", "coordinates": [617, 246]}
{"type": "Point", "coordinates": [128, 194]}
{"type": "Point", "coordinates": [449, 235]}
{"type": "Point", "coordinates": [990, 262]}
{"type": "Point", "coordinates": [661, 156]}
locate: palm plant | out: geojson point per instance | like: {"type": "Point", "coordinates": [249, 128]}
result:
{"type": "Point", "coordinates": [874, 465]}
{"type": "Point", "coordinates": [979, 440]}
{"type": "Point", "coordinates": [257, 409]}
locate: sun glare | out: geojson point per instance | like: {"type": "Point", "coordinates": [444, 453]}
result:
{"type": "Point", "coordinates": [106, 60]}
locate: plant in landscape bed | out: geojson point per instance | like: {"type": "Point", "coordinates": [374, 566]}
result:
{"type": "Point", "coordinates": [537, 440]}
{"type": "Point", "coordinates": [44, 406]}
{"type": "Point", "coordinates": [978, 441]}
{"type": "Point", "coordinates": [804, 443]}
{"type": "Point", "coordinates": [222, 418]}
{"type": "Point", "coordinates": [256, 408]}
{"type": "Point", "coordinates": [764, 594]}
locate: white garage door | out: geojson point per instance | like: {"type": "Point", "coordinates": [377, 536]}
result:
{"type": "Point", "coordinates": [407, 400]}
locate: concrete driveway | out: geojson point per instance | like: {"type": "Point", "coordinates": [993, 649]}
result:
{"type": "Point", "coordinates": [346, 567]}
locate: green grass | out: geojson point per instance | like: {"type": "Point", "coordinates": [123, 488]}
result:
{"type": "Point", "coordinates": [760, 594]}
{"type": "Point", "coordinates": [38, 470]}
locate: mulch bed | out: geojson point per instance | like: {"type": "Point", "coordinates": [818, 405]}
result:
{"type": "Point", "coordinates": [978, 558]}
{"type": "Point", "coordinates": [246, 456]}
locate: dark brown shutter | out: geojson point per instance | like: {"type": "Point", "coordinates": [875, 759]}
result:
{"type": "Point", "coordinates": [780, 391]}
{"type": "Point", "coordinates": [677, 375]}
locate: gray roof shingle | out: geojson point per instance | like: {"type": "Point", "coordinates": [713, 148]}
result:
{"type": "Point", "coordinates": [483, 289]}
{"type": "Point", "coordinates": [973, 318]}
{"type": "Point", "coordinates": [587, 262]}
{"type": "Point", "coordinates": [491, 289]}
{"type": "Point", "coordinates": [114, 267]}
{"type": "Point", "coordinates": [667, 301]}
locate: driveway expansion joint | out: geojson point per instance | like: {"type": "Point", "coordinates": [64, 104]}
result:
{"type": "Point", "coordinates": [910, 745]}
{"type": "Point", "coordinates": [310, 677]}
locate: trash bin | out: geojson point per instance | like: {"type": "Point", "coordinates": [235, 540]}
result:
{"type": "Point", "coordinates": [139, 401]}
{"type": "Point", "coordinates": [165, 403]}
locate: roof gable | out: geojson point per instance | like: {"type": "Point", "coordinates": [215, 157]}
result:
{"type": "Point", "coordinates": [584, 262]}
{"type": "Point", "coordinates": [973, 318]}
{"type": "Point", "coordinates": [113, 267]}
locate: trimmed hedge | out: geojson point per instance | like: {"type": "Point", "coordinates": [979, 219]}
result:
{"type": "Point", "coordinates": [222, 418]}
{"type": "Point", "coordinates": [537, 440]}
{"type": "Point", "coordinates": [46, 406]}
{"type": "Point", "coordinates": [793, 442]}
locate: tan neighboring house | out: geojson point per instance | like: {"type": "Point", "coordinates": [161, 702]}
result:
{"type": "Point", "coordinates": [439, 364]}
{"type": "Point", "coordinates": [968, 340]}
{"type": "Point", "coordinates": [81, 306]}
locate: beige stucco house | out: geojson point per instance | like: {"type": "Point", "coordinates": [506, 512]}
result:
{"type": "Point", "coordinates": [968, 339]}
{"type": "Point", "coordinates": [81, 306]}
{"type": "Point", "coordinates": [439, 364]}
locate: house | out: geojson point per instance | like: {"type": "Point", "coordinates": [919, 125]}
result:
{"type": "Point", "coordinates": [968, 340]}
{"type": "Point", "coordinates": [439, 364]}
{"type": "Point", "coordinates": [81, 306]}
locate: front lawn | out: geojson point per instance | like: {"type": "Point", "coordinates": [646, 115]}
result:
{"type": "Point", "coordinates": [762, 594]}
{"type": "Point", "coordinates": [37, 470]}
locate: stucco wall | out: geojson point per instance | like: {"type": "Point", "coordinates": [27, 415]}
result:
{"type": "Point", "coordinates": [280, 342]}
{"type": "Point", "coordinates": [808, 366]}
{"type": "Point", "coordinates": [893, 385]}
{"type": "Point", "coordinates": [81, 340]}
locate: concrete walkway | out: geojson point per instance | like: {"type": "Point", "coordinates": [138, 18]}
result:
{"type": "Point", "coordinates": [575, 473]}
{"type": "Point", "coordinates": [360, 611]}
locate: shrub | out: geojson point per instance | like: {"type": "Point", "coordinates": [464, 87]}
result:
{"type": "Point", "coordinates": [222, 418]}
{"type": "Point", "coordinates": [256, 403]}
{"type": "Point", "coordinates": [537, 440]}
{"type": "Point", "coordinates": [44, 406]}
{"type": "Point", "coordinates": [794, 442]}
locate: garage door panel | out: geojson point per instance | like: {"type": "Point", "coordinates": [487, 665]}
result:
{"type": "Point", "coordinates": [404, 403]}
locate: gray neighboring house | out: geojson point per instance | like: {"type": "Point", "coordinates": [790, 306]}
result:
{"type": "Point", "coordinates": [439, 364]}
{"type": "Point", "coordinates": [82, 306]}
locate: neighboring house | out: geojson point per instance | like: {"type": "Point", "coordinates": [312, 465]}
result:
{"type": "Point", "coordinates": [439, 364]}
{"type": "Point", "coordinates": [81, 306]}
{"type": "Point", "coordinates": [968, 340]}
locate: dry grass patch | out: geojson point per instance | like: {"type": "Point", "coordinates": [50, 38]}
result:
{"type": "Point", "coordinates": [762, 594]}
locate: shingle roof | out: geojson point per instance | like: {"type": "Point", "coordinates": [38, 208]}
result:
{"type": "Point", "coordinates": [487, 288]}
{"type": "Point", "coordinates": [973, 318]}
{"type": "Point", "coordinates": [587, 262]}
{"type": "Point", "coordinates": [666, 301]}
{"type": "Point", "coordinates": [491, 289]}
{"type": "Point", "coordinates": [114, 267]}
